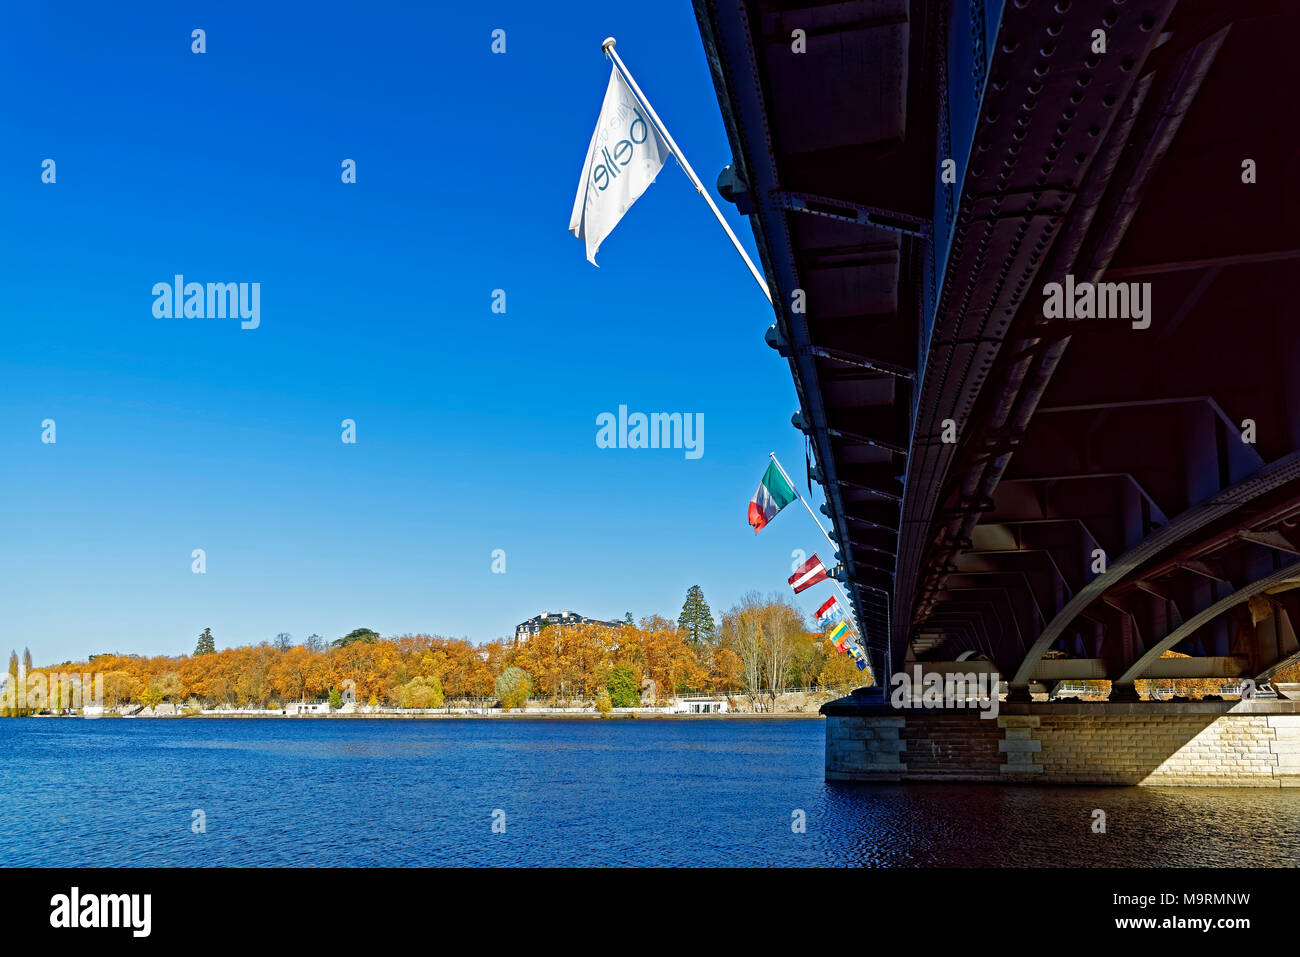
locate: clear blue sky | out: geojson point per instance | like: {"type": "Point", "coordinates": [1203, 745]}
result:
{"type": "Point", "coordinates": [475, 431]}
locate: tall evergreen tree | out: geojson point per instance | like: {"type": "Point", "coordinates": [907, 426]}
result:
{"type": "Point", "coordinates": [364, 635]}
{"type": "Point", "coordinates": [207, 644]}
{"type": "Point", "coordinates": [696, 618]}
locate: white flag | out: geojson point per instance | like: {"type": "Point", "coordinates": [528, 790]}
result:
{"type": "Point", "coordinates": [625, 156]}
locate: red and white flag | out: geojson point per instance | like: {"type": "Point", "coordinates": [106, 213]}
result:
{"type": "Point", "coordinates": [829, 612]}
{"type": "Point", "coordinates": [808, 574]}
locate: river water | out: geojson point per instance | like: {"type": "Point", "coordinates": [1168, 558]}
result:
{"type": "Point", "coordinates": [516, 792]}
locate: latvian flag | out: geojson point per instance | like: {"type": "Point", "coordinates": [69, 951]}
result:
{"type": "Point", "coordinates": [829, 612]}
{"type": "Point", "coordinates": [774, 493]}
{"type": "Point", "coordinates": [808, 574]}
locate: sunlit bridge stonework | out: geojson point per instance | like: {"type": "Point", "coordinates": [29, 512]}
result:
{"type": "Point", "coordinates": [1052, 494]}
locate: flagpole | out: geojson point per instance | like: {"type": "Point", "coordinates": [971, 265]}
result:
{"type": "Point", "coordinates": [847, 601]}
{"type": "Point", "coordinates": [608, 47]}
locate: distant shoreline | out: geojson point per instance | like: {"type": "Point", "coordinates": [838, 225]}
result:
{"type": "Point", "coordinates": [523, 716]}
{"type": "Point", "coordinates": [516, 716]}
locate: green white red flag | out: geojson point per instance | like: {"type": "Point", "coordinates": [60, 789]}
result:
{"type": "Point", "coordinates": [774, 493]}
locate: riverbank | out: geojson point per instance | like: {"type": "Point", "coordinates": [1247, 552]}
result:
{"type": "Point", "coordinates": [452, 716]}
{"type": "Point", "coordinates": [525, 716]}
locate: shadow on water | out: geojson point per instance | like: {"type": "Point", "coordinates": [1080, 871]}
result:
{"type": "Point", "coordinates": [989, 825]}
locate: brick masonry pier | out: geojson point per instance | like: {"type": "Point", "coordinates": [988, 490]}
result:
{"type": "Point", "coordinates": [1199, 744]}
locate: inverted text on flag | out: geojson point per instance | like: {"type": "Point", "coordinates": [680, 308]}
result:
{"type": "Point", "coordinates": [625, 155]}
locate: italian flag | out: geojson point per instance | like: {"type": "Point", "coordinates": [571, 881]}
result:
{"type": "Point", "coordinates": [774, 493]}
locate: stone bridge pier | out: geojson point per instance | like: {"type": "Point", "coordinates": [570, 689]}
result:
{"type": "Point", "coordinates": [1194, 743]}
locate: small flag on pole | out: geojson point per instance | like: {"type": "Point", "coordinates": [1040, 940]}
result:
{"type": "Point", "coordinates": [625, 156]}
{"type": "Point", "coordinates": [808, 574]}
{"type": "Point", "coordinates": [837, 634]}
{"type": "Point", "coordinates": [774, 493]}
{"type": "Point", "coordinates": [829, 612]}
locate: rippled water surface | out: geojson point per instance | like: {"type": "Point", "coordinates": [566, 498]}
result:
{"type": "Point", "coordinates": [410, 793]}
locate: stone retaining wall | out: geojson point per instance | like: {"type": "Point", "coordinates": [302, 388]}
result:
{"type": "Point", "coordinates": [1237, 744]}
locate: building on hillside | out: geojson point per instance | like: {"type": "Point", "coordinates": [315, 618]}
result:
{"type": "Point", "coordinates": [319, 706]}
{"type": "Point", "coordinates": [525, 630]}
{"type": "Point", "coordinates": [699, 704]}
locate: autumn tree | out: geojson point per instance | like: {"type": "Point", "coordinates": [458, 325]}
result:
{"type": "Point", "coordinates": [421, 692]}
{"type": "Point", "coordinates": [839, 672]}
{"type": "Point", "coordinates": [696, 618]}
{"type": "Point", "coordinates": [659, 651]}
{"type": "Point", "coordinates": [623, 687]}
{"type": "Point", "coordinates": [725, 670]}
{"type": "Point", "coordinates": [117, 688]}
{"type": "Point", "coordinates": [807, 657]}
{"type": "Point", "coordinates": [513, 688]}
{"type": "Point", "coordinates": [783, 630]}
{"type": "Point", "coordinates": [290, 675]}
{"type": "Point", "coordinates": [168, 685]}
{"type": "Point", "coordinates": [283, 641]}
{"type": "Point", "coordinates": [12, 690]}
{"type": "Point", "coordinates": [565, 660]}
{"type": "Point", "coordinates": [742, 633]}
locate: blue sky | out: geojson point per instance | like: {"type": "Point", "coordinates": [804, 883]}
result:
{"type": "Point", "coordinates": [475, 431]}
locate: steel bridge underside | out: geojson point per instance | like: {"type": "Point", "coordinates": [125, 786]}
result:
{"type": "Point", "coordinates": [1060, 497]}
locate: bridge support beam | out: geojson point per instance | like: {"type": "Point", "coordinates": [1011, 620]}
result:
{"type": "Point", "coordinates": [1123, 692]}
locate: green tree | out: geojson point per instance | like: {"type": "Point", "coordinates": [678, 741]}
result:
{"type": "Point", "coordinates": [628, 618]}
{"type": "Point", "coordinates": [336, 699]}
{"type": "Point", "coordinates": [150, 697]}
{"type": "Point", "coordinates": [207, 644]}
{"type": "Point", "coordinates": [696, 618]}
{"type": "Point", "coordinates": [420, 692]}
{"type": "Point", "coordinates": [624, 690]}
{"type": "Point", "coordinates": [363, 635]}
{"type": "Point", "coordinates": [513, 688]}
